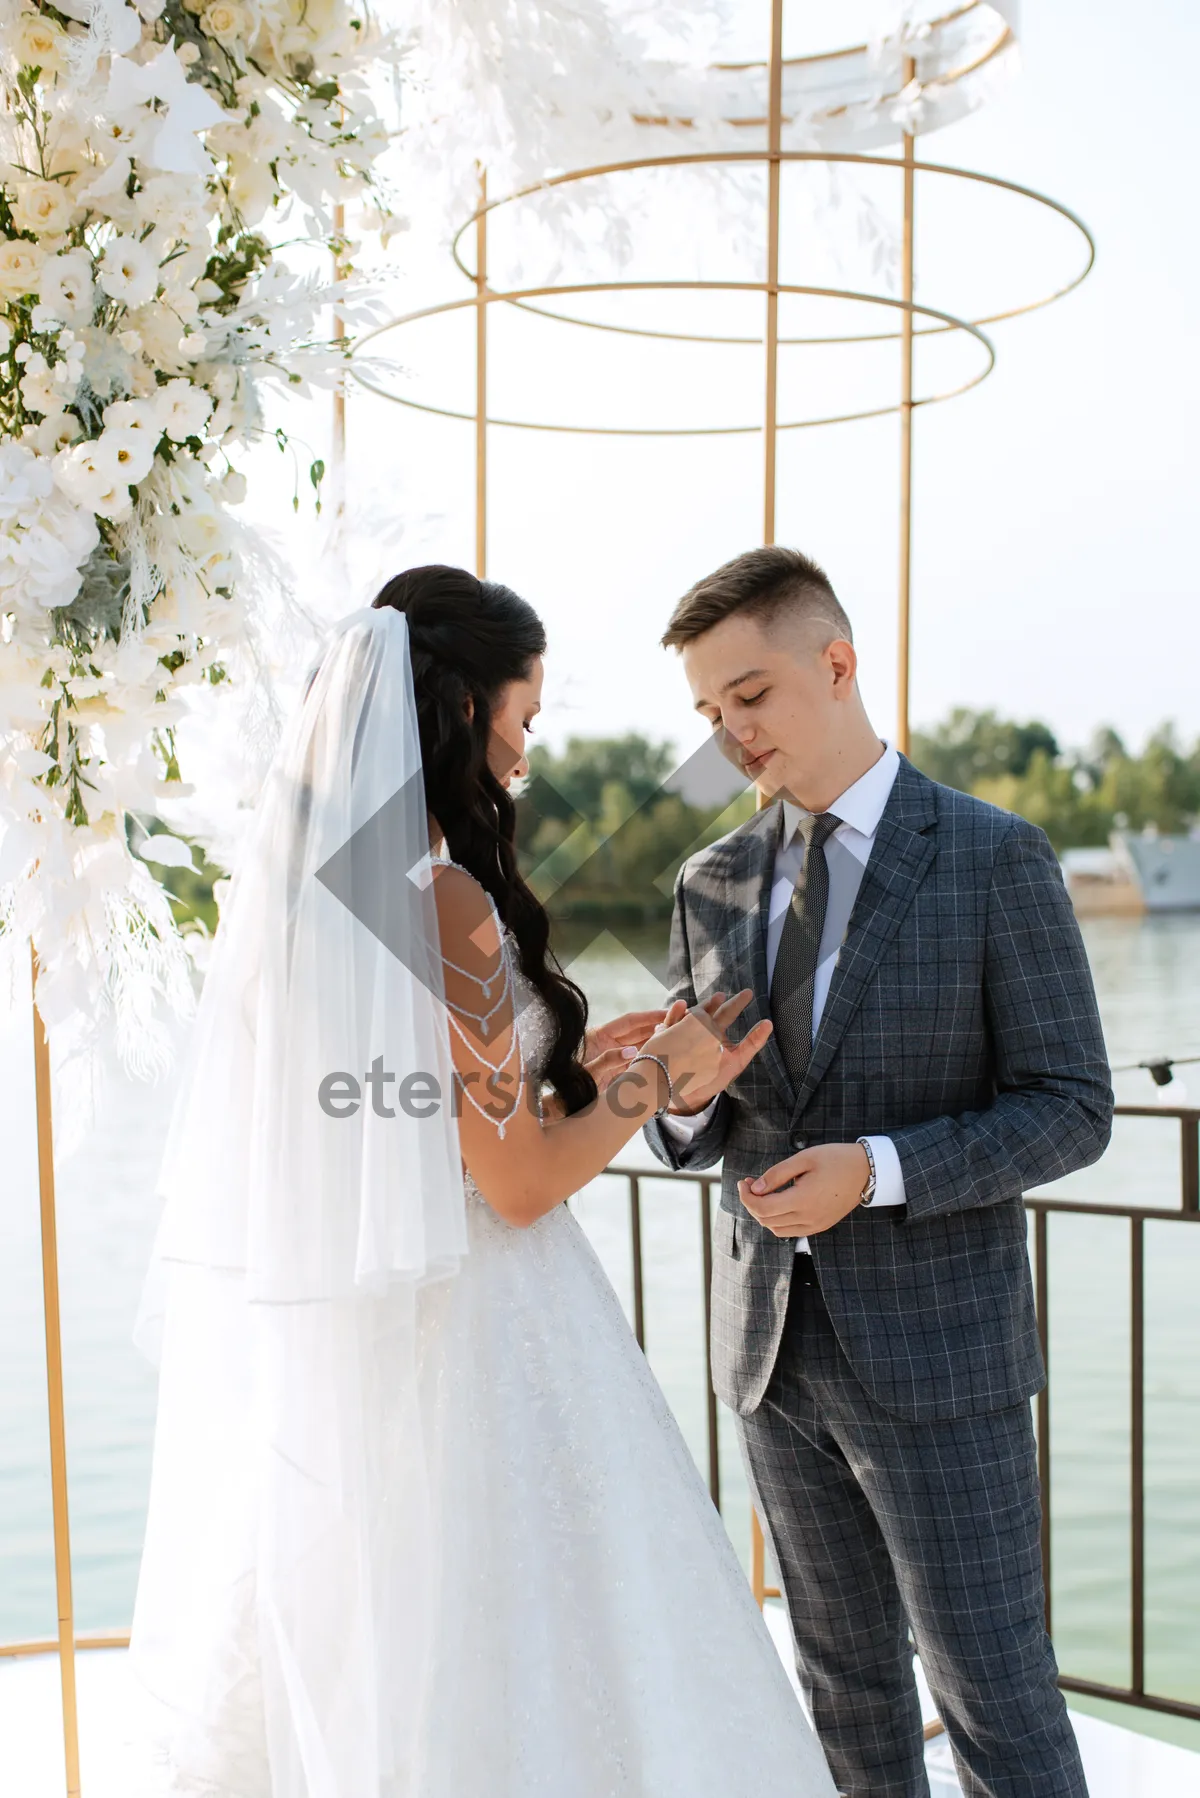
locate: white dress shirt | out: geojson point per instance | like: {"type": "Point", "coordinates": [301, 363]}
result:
{"type": "Point", "coordinates": [860, 808]}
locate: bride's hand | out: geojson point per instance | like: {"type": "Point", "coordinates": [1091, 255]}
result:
{"type": "Point", "coordinates": [607, 1052]}
{"type": "Point", "coordinates": [631, 1030]}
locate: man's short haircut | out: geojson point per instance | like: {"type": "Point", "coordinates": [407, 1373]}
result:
{"type": "Point", "coordinates": [768, 584]}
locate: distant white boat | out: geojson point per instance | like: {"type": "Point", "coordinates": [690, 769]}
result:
{"type": "Point", "coordinates": [1165, 868]}
{"type": "Point", "coordinates": [1102, 883]}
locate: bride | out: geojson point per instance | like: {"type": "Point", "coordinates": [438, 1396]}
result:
{"type": "Point", "coordinates": [421, 1524]}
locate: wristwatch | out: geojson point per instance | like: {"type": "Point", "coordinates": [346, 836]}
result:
{"type": "Point", "coordinates": [868, 1191]}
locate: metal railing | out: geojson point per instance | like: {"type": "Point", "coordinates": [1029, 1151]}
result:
{"type": "Point", "coordinates": [1137, 1216]}
{"type": "Point", "coordinates": [1188, 1212]}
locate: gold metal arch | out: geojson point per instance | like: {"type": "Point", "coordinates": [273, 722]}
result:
{"type": "Point", "coordinates": [853, 158]}
{"type": "Point", "coordinates": [521, 299]}
{"type": "Point", "coordinates": [515, 296]}
{"type": "Point", "coordinates": [773, 157]}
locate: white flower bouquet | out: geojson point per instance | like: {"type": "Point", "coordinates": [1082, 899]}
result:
{"type": "Point", "coordinates": [145, 157]}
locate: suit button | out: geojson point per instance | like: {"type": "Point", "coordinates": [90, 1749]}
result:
{"type": "Point", "coordinates": [799, 1142]}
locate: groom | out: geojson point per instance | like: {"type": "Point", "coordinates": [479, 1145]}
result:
{"type": "Point", "coordinates": [936, 1052]}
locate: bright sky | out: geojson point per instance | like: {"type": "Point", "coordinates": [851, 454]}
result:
{"type": "Point", "coordinates": [1054, 569]}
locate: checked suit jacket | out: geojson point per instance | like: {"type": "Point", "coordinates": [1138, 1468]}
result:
{"type": "Point", "coordinates": [961, 1022]}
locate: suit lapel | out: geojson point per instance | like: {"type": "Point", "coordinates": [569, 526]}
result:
{"type": "Point", "coordinates": [749, 901]}
{"type": "Point", "coordinates": [904, 848]}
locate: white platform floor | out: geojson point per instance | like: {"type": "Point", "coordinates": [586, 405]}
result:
{"type": "Point", "coordinates": [1119, 1763]}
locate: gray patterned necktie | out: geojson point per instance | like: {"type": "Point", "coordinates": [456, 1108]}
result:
{"type": "Point", "coordinates": [799, 948]}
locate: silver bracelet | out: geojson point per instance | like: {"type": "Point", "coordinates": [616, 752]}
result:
{"type": "Point", "coordinates": [658, 1062]}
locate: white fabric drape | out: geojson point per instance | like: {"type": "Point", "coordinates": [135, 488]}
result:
{"type": "Point", "coordinates": [282, 1612]}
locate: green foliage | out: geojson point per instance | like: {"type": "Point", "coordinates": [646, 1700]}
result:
{"type": "Point", "coordinates": [598, 836]}
{"type": "Point", "coordinates": [192, 892]}
{"type": "Point", "coordinates": [968, 747]}
{"type": "Point", "coordinates": [575, 780]}
{"type": "Point", "coordinates": [191, 889]}
{"type": "Point", "coordinates": [1079, 797]}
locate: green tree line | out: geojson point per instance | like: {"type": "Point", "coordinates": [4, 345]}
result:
{"type": "Point", "coordinates": [599, 837]}
{"type": "Point", "coordinates": [1079, 797]}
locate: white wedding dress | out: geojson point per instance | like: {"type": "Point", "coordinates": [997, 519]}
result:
{"type": "Point", "coordinates": [596, 1636]}
{"type": "Point", "coordinates": [420, 1524]}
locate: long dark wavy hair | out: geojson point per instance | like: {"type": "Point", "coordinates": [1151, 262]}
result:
{"type": "Point", "coordinates": [469, 639]}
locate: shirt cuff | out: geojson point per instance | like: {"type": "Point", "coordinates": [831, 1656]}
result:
{"type": "Point", "coordinates": [682, 1129]}
{"type": "Point", "coordinates": [889, 1176]}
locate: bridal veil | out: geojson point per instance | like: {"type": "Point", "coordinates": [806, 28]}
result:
{"type": "Point", "coordinates": [283, 1607]}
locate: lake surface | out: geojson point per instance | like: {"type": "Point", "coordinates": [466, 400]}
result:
{"type": "Point", "coordinates": [1148, 977]}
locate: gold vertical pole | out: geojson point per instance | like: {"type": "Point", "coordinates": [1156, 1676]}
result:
{"type": "Point", "coordinates": [758, 1560]}
{"type": "Point", "coordinates": [758, 1580]}
{"type": "Point", "coordinates": [906, 436]}
{"type": "Point", "coordinates": [481, 336]}
{"type": "Point", "coordinates": [54, 1387]}
{"type": "Point", "coordinates": [774, 172]}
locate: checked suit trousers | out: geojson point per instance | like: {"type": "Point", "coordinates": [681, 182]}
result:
{"type": "Point", "coordinates": [878, 1525]}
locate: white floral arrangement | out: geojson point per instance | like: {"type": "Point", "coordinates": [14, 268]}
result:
{"type": "Point", "coordinates": [148, 158]}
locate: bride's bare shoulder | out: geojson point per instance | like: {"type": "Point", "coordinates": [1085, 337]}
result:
{"type": "Point", "coordinates": [468, 924]}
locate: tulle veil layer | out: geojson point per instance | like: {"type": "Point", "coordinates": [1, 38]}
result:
{"type": "Point", "coordinates": [282, 1613]}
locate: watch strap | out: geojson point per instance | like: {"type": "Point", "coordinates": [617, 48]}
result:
{"type": "Point", "coordinates": [868, 1191]}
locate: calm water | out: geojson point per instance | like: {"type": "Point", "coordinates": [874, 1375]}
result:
{"type": "Point", "coordinates": [1148, 976]}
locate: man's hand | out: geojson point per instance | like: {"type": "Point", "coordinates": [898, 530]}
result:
{"type": "Point", "coordinates": [808, 1192]}
{"type": "Point", "coordinates": [735, 1057]}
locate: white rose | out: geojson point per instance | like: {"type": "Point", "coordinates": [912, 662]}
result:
{"type": "Point", "coordinates": [65, 287]}
{"type": "Point", "coordinates": [204, 532]}
{"type": "Point", "coordinates": [42, 206]}
{"type": "Point", "coordinates": [38, 44]}
{"type": "Point", "coordinates": [135, 417]}
{"type": "Point", "coordinates": [183, 409]}
{"type": "Point", "coordinates": [39, 391]}
{"type": "Point", "coordinates": [20, 267]}
{"type": "Point", "coordinates": [225, 20]}
{"type": "Point", "coordinates": [56, 432]}
{"type": "Point", "coordinates": [52, 551]}
{"type": "Point", "coordinates": [178, 205]}
{"type": "Point", "coordinates": [86, 477]}
{"type": "Point", "coordinates": [24, 483]}
{"type": "Point", "coordinates": [129, 271]}
{"type": "Point", "coordinates": [43, 538]}
{"type": "Point", "coordinates": [129, 454]}
{"type": "Point", "coordinates": [158, 329]}
{"type": "Point", "coordinates": [221, 379]}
